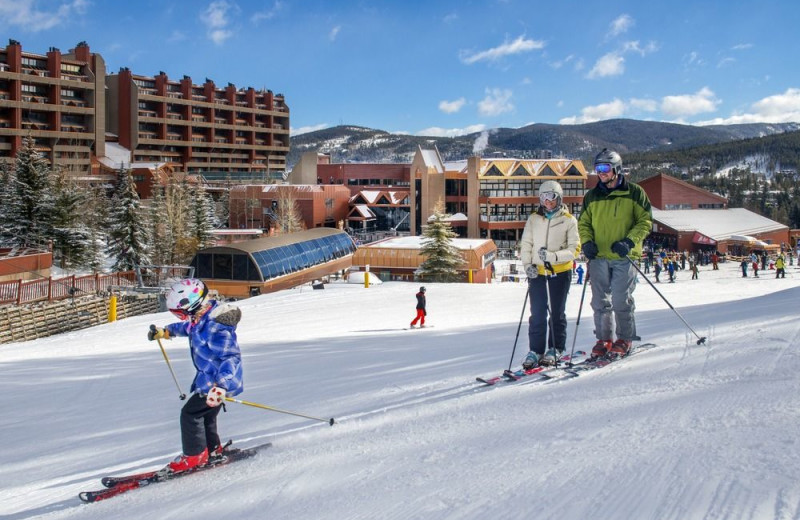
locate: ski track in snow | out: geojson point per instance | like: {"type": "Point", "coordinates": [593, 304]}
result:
{"type": "Point", "coordinates": [681, 431]}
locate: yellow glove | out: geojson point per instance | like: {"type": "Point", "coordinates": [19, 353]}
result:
{"type": "Point", "coordinates": [157, 333]}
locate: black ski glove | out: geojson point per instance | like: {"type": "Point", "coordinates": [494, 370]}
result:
{"type": "Point", "coordinates": [622, 247]}
{"type": "Point", "coordinates": [589, 250]}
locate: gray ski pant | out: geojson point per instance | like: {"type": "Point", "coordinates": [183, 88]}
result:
{"type": "Point", "coordinates": [613, 282]}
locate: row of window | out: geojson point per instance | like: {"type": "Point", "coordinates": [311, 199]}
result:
{"type": "Point", "coordinates": [273, 262]}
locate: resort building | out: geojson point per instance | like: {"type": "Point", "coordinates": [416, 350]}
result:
{"type": "Point", "coordinates": [56, 99]}
{"type": "Point", "coordinates": [94, 124]}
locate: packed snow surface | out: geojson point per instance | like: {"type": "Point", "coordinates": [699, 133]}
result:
{"type": "Point", "coordinates": [677, 432]}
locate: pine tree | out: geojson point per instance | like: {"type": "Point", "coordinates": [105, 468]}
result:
{"type": "Point", "coordinates": [161, 243]}
{"type": "Point", "coordinates": [9, 206]}
{"type": "Point", "coordinates": [95, 215]}
{"type": "Point", "coordinates": [69, 231]}
{"type": "Point", "coordinates": [128, 235]}
{"type": "Point", "coordinates": [203, 218]}
{"type": "Point", "coordinates": [442, 258]}
{"type": "Point", "coordinates": [33, 193]}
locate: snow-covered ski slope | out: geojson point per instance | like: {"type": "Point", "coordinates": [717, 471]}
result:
{"type": "Point", "coordinates": [679, 432]}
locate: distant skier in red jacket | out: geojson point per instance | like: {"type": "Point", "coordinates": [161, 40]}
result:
{"type": "Point", "coordinates": [421, 313]}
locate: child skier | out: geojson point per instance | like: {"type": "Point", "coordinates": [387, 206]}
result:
{"type": "Point", "coordinates": [211, 329]}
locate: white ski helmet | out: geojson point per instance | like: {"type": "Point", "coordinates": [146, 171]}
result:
{"type": "Point", "coordinates": [551, 187]}
{"type": "Point", "coordinates": [185, 297]}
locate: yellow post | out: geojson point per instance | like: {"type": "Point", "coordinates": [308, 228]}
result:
{"type": "Point", "coordinates": [112, 308]}
{"type": "Point", "coordinates": [469, 276]}
{"type": "Point", "coordinates": [366, 277]}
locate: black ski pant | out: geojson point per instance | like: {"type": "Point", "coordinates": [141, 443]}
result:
{"type": "Point", "coordinates": [537, 323]}
{"type": "Point", "coordinates": [199, 425]}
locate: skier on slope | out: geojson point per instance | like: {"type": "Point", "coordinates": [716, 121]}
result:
{"type": "Point", "coordinates": [211, 329]}
{"type": "Point", "coordinates": [548, 248]}
{"type": "Point", "coordinates": [421, 312]}
{"type": "Point", "coordinates": [615, 220]}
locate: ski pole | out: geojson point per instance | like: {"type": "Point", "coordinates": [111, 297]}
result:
{"type": "Point", "coordinates": [182, 395]}
{"type": "Point", "coordinates": [578, 321]}
{"type": "Point", "coordinates": [273, 409]}
{"type": "Point", "coordinates": [700, 340]}
{"type": "Point", "coordinates": [549, 267]}
{"type": "Point", "coordinates": [516, 338]}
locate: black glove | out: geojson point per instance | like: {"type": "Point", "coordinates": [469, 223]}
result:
{"type": "Point", "coordinates": [589, 250]}
{"type": "Point", "coordinates": [622, 247]}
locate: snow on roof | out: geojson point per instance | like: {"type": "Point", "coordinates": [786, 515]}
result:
{"type": "Point", "coordinates": [458, 217]}
{"type": "Point", "coordinates": [364, 211]}
{"type": "Point", "coordinates": [719, 224]}
{"type": "Point", "coordinates": [463, 244]}
{"type": "Point", "coordinates": [118, 157]}
{"type": "Point", "coordinates": [224, 232]}
{"type": "Point", "coordinates": [456, 166]}
{"type": "Point", "coordinates": [431, 159]}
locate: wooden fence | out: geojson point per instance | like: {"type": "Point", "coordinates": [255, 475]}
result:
{"type": "Point", "coordinates": [26, 322]}
{"type": "Point", "coordinates": [53, 289]}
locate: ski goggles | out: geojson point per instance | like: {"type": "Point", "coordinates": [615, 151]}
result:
{"type": "Point", "coordinates": [603, 168]}
{"type": "Point", "coordinates": [180, 314]}
{"type": "Point", "coordinates": [548, 196]}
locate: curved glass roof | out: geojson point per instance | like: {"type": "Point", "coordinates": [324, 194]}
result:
{"type": "Point", "coordinates": [265, 258]}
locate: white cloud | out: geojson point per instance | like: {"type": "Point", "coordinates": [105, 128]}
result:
{"type": "Point", "coordinates": [633, 46]}
{"type": "Point", "coordinates": [612, 64]}
{"type": "Point", "coordinates": [25, 15]}
{"type": "Point", "coordinates": [451, 107]}
{"type": "Point", "coordinates": [778, 108]}
{"type": "Point", "coordinates": [694, 59]}
{"type": "Point", "coordinates": [267, 14]}
{"type": "Point", "coordinates": [496, 102]}
{"type": "Point", "coordinates": [216, 19]}
{"type": "Point", "coordinates": [450, 18]}
{"type": "Point", "coordinates": [334, 33]}
{"type": "Point", "coordinates": [724, 62]}
{"type": "Point", "coordinates": [436, 131]}
{"type": "Point", "coordinates": [704, 100]}
{"type": "Point", "coordinates": [742, 46]}
{"type": "Point", "coordinates": [560, 63]}
{"type": "Point", "coordinates": [621, 24]}
{"type": "Point", "coordinates": [590, 114]}
{"type": "Point", "coordinates": [519, 45]}
{"type": "Point", "coordinates": [307, 129]}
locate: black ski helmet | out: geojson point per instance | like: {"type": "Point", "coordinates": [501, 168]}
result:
{"type": "Point", "coordinates": [609, 157]}
{"type": "Point", "coordinates": [422, 289]}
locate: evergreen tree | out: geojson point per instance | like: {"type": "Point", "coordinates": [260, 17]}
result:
{"type": "Point", "coordinates": [9, 206]}
{"type": "Point", "coordinates": [442, 258]}
{"type": "Point", "coordinates": [33, 193]}
{"type": "Point", "coordinates": [203, 218]}
{"type": "Point", "coordinates": [161, 243]}
{"type": "Point", "coordinates": [127, 232]}
{"type": "Point", "coordinates": [95, 215]}
{"type": "Point", "coordinates": [69, 232]}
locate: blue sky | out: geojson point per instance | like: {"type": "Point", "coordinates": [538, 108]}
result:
{"type": "Point", "coordinates": [452, 67]}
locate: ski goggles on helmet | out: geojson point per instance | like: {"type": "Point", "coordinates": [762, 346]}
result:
{"type": "Point", "coordinates": [548, 196]}
{"type": "Point", "coordinates": [603, 168]}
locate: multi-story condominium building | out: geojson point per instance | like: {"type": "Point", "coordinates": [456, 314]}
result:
{"type": "Point", "coordinates": [152, 124]}
{"type": "Point", "coordinates": [486, 197]}
{"type": "Point", "coordinates": [56, 99]}
{"type": "Point", "coordinates": [202, 127]}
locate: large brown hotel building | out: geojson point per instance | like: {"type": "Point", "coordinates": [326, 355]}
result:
{"type": "Point", "coordinates": [71, 108]}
